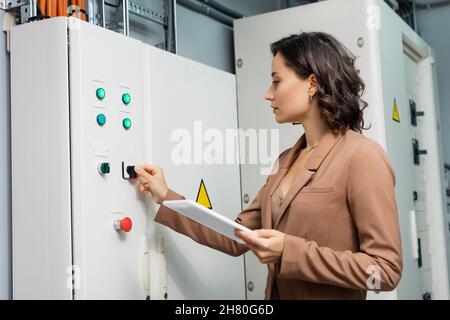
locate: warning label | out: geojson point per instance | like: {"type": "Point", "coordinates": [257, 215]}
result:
{"type": "Point", "coordinates": [395, 114]}
{"type": "Point", "coordinates": [203, 197]}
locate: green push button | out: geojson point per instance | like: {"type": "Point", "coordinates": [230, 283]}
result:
{"type": "Point", "coordinates": [126, 99]}
{"type": "Point", "coordinates": [101, 93]}
{"type": "Point", "coordinates": [104, 168]}
{"type": "Point", "coordinates": [126, 123]}
{"type": "Point", "coordinates": [101, 119]}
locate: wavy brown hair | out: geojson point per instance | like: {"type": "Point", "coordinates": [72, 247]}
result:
{"type": "Point", "coordinates": [339, 85]}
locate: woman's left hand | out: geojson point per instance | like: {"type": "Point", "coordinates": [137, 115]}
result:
{"type": "Point", "coordinates": [266, 244]}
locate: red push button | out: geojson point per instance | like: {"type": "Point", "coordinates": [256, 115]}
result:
{"type": "Point", "coordinates": [124, 224]}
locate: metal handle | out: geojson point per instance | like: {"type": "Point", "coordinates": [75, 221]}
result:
{"type": "Point", "coordinates": [414, 242]}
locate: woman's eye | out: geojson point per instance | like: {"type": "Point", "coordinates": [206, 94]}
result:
{"type": "Point", "coordinates": [275, 82]}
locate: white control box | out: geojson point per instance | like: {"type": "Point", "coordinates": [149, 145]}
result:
{"type": "Point", "coordinates": [87, 105]}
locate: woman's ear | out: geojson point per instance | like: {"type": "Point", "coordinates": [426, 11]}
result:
{"type": "Point", "coordinates": [312, 85]}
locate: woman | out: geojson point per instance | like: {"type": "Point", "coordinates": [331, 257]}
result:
{"type": "Point", "coordinates": [326, 223]}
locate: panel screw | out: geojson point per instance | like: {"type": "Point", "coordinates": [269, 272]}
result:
{"type": "Point", "coordinates": [250, 286]}
{"type": "Point", "coordinates": [240, 63]}
{"type": "Point", "coordinates": [360, 42]}
{"type": "Point", "coordinates": [246, 198]}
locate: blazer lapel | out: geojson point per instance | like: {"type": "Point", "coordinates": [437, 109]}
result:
{"type": "Point", "coordinates": [283, 167]}
{"type": "Point", "coordinates": [275, 182]}
{"type": "Point", "coordinates": [319, 154]}
{"type": "Point", "coordinates": [303, 178]}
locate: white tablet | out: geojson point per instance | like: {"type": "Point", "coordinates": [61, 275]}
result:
{"type": "Point", "coordinates": [207, 217]}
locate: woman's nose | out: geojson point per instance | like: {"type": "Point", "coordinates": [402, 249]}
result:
{"type": "Point", "coordinates": [269, 95]}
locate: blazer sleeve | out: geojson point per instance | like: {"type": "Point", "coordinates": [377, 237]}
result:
{"type": "Point", "coordinates": [371, 200]}
{"type": "Point", "coordinates": [250, 218]}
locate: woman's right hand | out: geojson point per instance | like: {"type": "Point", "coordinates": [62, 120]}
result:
{"type": "Point", "coordinates": [151, 179]}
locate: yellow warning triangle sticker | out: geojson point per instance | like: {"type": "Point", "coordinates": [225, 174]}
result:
{"type": "Point", "coordinates": [395, 114]}
{"type": "Point", "coordinates": [202, 196]}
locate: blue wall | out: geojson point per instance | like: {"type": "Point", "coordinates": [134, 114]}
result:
{"type": "Point", "coordinates": [205, 40]}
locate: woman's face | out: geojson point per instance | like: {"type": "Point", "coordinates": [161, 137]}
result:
{"type": "Point", "coordinates": [288, 94]}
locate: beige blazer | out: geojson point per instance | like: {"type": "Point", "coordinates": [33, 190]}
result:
{"type": "Point", "coordinates": [339, 217]}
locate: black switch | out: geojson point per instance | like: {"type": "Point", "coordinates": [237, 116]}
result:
{"type": "Point", "coordinates": [414, 113]}
{"type": "Point", "coordinates": [426, 296]}
{"type": "Point", "coordinates": [417, 152]}
{"type": "Point", "coordinates": [131, 173]}
{"type": "Point", "coordinates": [419, 261]}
